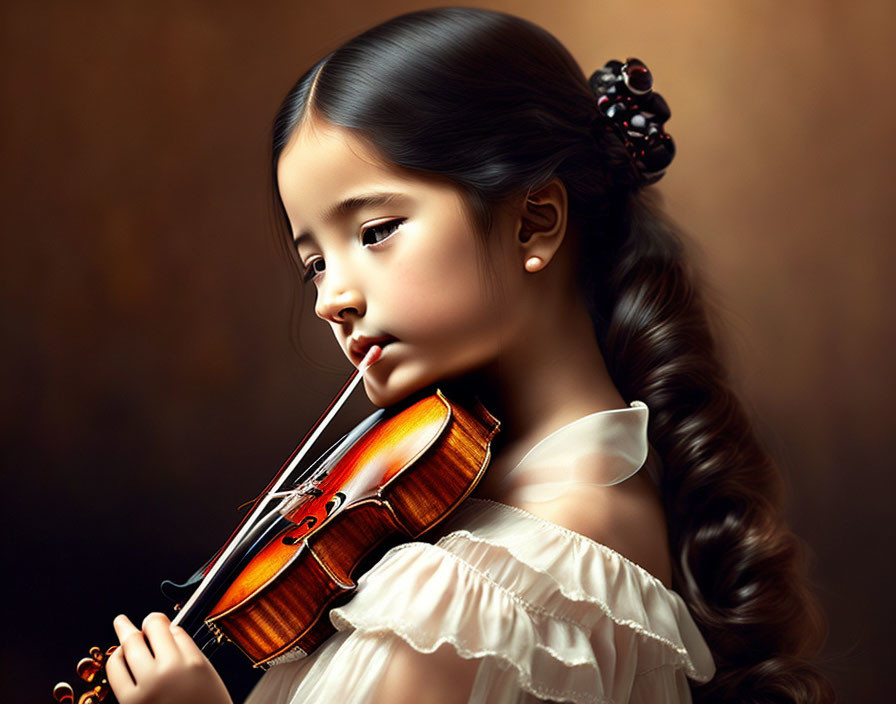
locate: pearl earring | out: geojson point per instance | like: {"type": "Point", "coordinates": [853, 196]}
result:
{"type": "Point", "coordinates": [534, 263]}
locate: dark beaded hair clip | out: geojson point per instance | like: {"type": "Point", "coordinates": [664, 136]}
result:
{"type": "Point", "coordinates": [628, 105]}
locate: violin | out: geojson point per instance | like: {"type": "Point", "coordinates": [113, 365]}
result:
{"type": "Point", "coordinates": [300, 551]}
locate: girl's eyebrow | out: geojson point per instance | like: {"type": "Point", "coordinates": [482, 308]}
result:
{"type": "Point", "coordinates": [351, 204]}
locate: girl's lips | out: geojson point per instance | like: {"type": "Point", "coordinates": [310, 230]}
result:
{"type": "Point", "coordinates": [374, 352]}
{"type": "Point", "coordinates": [361, 346]}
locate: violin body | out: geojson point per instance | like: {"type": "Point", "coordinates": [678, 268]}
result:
{"type": "Point", "coordinates": [401, 478]}
{"type": "Point", "coordinates": [268, 590]}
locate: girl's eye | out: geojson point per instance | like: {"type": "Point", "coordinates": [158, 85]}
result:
{"type": "Point", "coordinates": [378, 233]}
{"type": "Point", "coordinates": [371, 235]}
{"type": "Point", "coordinates": [314, 267]}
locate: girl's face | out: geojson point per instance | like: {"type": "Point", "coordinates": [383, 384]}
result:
{"type": "Point", "coordinates": [393, 256]}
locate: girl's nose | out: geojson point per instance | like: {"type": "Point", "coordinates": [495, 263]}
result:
{"type": "Point", "coordinates": [335, 302]}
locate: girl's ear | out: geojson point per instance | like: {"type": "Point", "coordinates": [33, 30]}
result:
{"type": "Point", "coordinates": [542, 225]}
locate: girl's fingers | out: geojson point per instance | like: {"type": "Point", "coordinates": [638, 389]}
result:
{"type": "Point", "coordinates": [136, 652]}
{"type": "Point", "coordinates": [157, 629]}
{"type": "Point", "coordinates": [119, 676]}
{"type": "Point", "coordinates": [188, 648]}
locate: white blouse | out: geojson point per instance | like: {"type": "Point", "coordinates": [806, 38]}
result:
{"type": "Point", "coordinates": [546, 612]}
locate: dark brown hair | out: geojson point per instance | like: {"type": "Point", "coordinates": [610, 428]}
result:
{"type": "Point", "coordinates": [498, 105]}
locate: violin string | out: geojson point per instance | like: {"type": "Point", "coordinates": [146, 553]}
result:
{"type": "Point", "coordinates": [263, 500]}
{"type": "Point", "coordinates": [287, 466]}
{"type": "Point", "coordinates": [252, 503]}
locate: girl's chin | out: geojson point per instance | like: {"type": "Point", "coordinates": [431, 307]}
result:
{"type": "Point", "coordinates": [388, 386]}
{"type": "Point", "coordinates": [378, 398]}
{"type": "Point", "coordinates": [388, 382]}
{"type": "Point", "coordinates": [384, 393]}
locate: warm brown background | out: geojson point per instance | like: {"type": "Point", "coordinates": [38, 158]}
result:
{"type": "Point", "coordinates": [149, 381]}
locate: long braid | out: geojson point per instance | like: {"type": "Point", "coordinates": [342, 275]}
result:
{"type": "Point", "coordinates": [737, 565]}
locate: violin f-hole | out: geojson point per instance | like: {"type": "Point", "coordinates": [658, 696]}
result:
{"type": "Point", "coordinates": [308, 521]}
{"type": "Point", "coordinates": [334, 503]}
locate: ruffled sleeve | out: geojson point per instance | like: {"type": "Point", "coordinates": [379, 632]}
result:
{"type": "Point", "coordinates": [546, 612]}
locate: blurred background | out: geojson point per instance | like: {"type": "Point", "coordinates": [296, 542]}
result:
{"type": "Point", "coordinates": [149, 375]}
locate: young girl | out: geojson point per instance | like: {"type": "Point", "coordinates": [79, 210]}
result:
{"type": "Point", "coordinates": [473, 212]}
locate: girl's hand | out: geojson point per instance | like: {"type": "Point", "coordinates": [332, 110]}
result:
{"type": "Point", "coordinates": [161, 665]}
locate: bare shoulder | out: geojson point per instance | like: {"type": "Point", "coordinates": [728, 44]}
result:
{"type": "Point", "coordinates": [627, 517]}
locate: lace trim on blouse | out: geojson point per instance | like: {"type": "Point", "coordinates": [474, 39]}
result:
{"type": "Point", "coordinates": [554, 605]}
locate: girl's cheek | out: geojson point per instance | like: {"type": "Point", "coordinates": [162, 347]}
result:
{"type": "Point", "coordinates": [433, 280]}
